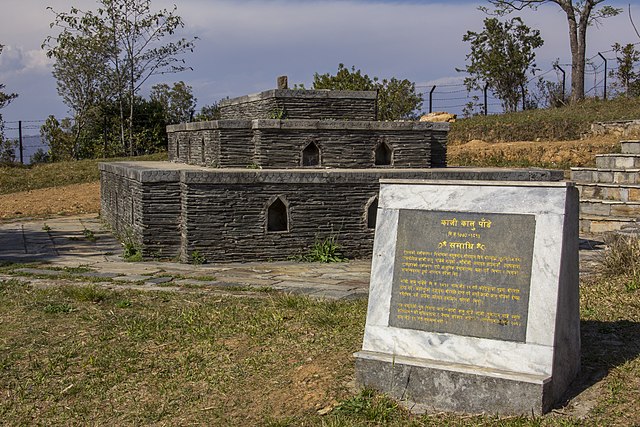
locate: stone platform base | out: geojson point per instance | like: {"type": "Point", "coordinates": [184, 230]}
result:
{"type": "Point", "coordinates": [431, 386]}
{"type": "Point", "coordinates": [192, 213]}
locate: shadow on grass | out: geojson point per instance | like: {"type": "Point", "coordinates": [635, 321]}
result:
{"type": "Point", "coordinates": [605, 346]}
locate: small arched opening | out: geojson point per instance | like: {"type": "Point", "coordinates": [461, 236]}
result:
{"type": "Point", "coordinates": [202, 152]}
{"type": "Point", "coordinates": [383, 155]}
{"type": "Point", "coordinates": [311, 155]}
{"type": "Point", "coordinates": [372, 213]}
{"type": "Point", "coordinates": [277, 216]}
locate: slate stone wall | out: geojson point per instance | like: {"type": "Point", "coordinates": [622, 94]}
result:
{"type": "Point", "coordinates": [302, 104]}
{"type": "Point", "coordinates": [439, 147]}
{"type": "Point", "coordinates": [224, 214]}
{"type": "Point", "coordinates": [279, 143]}
{"type": "Point", "coordinates": [175, 209]}
{"type": "Point", "coordinates": [142, 206]}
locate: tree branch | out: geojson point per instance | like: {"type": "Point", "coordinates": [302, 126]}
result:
{"type": "Point", "coordinates": [632, 23]}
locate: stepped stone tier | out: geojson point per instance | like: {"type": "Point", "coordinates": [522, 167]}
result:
{"type": "Point", "coordinates": [303, 104]}
{"type": "Point", "coordinates": [293, 143]}
{"type": "Point", "coordinates": [610, 192]}
{"type": "Point", "coordinates": [281, 170]}
{"type": "Point", "coordinates": [175, 210]}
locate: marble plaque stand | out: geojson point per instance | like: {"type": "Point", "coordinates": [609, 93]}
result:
{"type": "Point", "coordinates": [439, 371]}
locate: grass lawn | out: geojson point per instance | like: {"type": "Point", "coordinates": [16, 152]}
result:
{"type": "Point", "coordinates": [77, 355]}
{"type": "Point", "coordinates": [18, 178]}
{"type": "Point", "coordinates": [552, 124]}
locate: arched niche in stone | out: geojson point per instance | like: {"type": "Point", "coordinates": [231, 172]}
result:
{"type": "Point", "coordinates": [203, 158]}
{"type": "Point", "coordinates": [383, 154]}
{"type": "Point", "coordinates": [371, 212]}
{"type": "Point", "coordinates": [277, 213]}
{"type": "Point", "coordinates": [311, 155]}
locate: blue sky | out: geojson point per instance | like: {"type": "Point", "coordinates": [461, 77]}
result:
{"type": "Point", "coordinates": [244, 45]}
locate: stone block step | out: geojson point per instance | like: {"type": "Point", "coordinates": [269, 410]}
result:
{"type": "Point", "coordinates": [605, 176]}
{"type": "Point", "coordinates": [609, 208]}
{"type": "Point", "coordinates": [618, 161]}
{"type": "Point", "coordinates": [613, 192]}
{"type": "Point", "coordinates": [594, 224]}
{"type": "Point", "coordinates": [630, 147]}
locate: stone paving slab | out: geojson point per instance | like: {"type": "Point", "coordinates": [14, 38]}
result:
{"type": "Point", "coordinates": [132, 278]}
{"type": "Point", "coordinates": [62, 243]}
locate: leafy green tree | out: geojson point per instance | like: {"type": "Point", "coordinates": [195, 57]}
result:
{"type": "Point", "coordinates": [626, 74]}
{"type": "Point", "coordinates": [208, 112]}
{"type": "Point", "coordinates": [83, 76]}
{"type": "Point", "coordinates": [133, 38]}
{"type": "Point", "coordinates": [397, 99]}
{"type": "Point", "coordinates": [8, 151]}
{"type": "Point", "coordinates": [178, 102]}
{"type": "Point", "coordinates": [501, 57]}
{"type": "Point", "coordinates": [580, 15]}
{"type": "Point", "coordinates": [39, 157]}
{"type": "Point", "coordinates": [345, 79]}
{"type": "Point", "coordinates": [100, 135]}
{"type": "Point", "coordinates": [58, 136]}
{"type": "Point", "coordinates": [150, 132]}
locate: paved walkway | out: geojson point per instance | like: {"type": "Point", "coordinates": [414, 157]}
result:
{"type": "Point", "coordinates": [81, 247]}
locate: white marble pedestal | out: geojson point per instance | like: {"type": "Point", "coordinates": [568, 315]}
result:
{"type": "Point", "coordinates": [474, 300]}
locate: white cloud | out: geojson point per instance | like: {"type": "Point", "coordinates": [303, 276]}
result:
{"type": "Point", "coordinates": [17, 60]}
{"type": "Point", "coordinates": [245, 44]}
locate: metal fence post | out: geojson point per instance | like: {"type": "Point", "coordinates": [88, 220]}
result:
{"type": "Point", "coordinates": [431, 99]}
{"type": "Point", "coordinates": [20, 141]}
{"type": "Point", "coordinates": [604, 94]}
{"type": "Point", "coordinates": [486, 104]}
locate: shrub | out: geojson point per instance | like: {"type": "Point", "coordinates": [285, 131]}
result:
{"type": "Point", "coordinates": [622, 257]}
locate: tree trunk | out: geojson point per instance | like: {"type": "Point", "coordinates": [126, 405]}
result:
{"type": "Point", "coordinates": [116, 61]}
{"type": "Point", "coordinates": [131, 100]}
{"type": "Point", "coordinates": [577, 45]}
{"type": "Point", "coordinates": [577, 72]}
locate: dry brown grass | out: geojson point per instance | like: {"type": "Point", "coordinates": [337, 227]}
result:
{"type": "Point", "coordinates": [74, 199]}
{"type": "Point", "coordinates": [556, 154]}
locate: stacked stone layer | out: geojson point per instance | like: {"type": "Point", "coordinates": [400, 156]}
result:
{"type": "Point", "coordinates": [610, 192]}
{"type": "Point", "coordinates": [174, 210]}
{"type": "Point", "coordinates": [280, 143]}
{"type": "Point", "coordinates": [302, 104]}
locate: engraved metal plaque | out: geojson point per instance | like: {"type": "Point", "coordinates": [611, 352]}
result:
{"type": "Point", "coordinates": [463, 273]}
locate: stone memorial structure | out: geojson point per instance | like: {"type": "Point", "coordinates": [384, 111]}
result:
{"type": "Point", "coordinates": [281, 170]}
{"type": "Point", "coordinates": [473, 301]}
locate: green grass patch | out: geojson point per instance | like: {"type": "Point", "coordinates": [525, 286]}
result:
{"type": "Point", "coordinates": [498, 161]}
{"type": "Point", "coordinates": [278, 360]}
{"type": "Point", "coordinates": [553, 124]}
{"type": "Point", "coordinates": [327, 250]}
{"type": "Point", "coordinates": [23, 178]}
